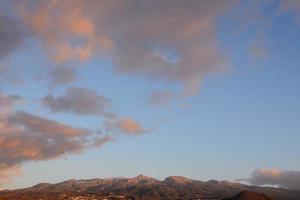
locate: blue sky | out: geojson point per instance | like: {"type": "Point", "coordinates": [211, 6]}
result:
{"type": "Point", "coordinates": [228, 102]}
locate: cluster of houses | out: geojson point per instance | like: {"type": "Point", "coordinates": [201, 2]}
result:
{"type": "Point", "coordinates": [93, 197]}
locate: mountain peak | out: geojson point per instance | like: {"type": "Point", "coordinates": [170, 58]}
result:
{"type": "Point", "coordinates": [141, 176]}
{"type": "Point", "coordinates": [142, 179]}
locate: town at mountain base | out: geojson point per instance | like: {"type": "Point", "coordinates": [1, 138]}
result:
{"type": "Point", "coordinates": [147, 188]}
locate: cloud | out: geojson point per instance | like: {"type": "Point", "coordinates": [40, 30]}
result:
{"type": "Point", "coordinates": [61, 75]}
{"type": "Point", "coordinates": [16, 81]}
{"type": "Point", "coordinates": [7, 102]}
{"type": "Point", "coordinates": [126, 125]}
{"type": "Point", "coordinates": [83, 101]}
{"type": "Point", "coordinates": [98, 142]}
{"type": "Point", "coordinates": [258, 49]}
{"type": "Point", "coordinates": [275, 177]}
{"type": "Point", "coordinates": [162, 40]}
{"type": "Point", "coordinates": [11, 37]}
{"type": "Point", "coordinates": [79, 101]}
{"type": "Point", "coordinates": [7, 173]}
{"type": "Point", "coordinates": [258, 52]}
{"type": "Point", "coordinates": [25, 137]}
{"type": "Point", "coordinates": [65, 31]}
{"type": "Point", "coordinates": [160, 98]}
{"type": "Point", "coordinates": [291, 5]}
{"type": "Point", "coordinates": [174, 42]}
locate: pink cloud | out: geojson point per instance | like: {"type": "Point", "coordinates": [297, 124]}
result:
{"type": "Point", "coordinates": [130, 32]}
{"type": "Point", "coordinates": [25, 138]}
{"type": "Point", "coordinates": [126, 125]}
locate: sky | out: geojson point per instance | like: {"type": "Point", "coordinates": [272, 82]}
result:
{"type": "Point", "coordinates": [203, 89]}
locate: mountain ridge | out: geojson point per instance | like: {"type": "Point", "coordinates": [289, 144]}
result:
{"type": "Point", "coordinates": [145, 187]}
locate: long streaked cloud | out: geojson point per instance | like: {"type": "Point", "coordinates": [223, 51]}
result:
{"type": "Point", "coordinates": [25, 137]}
{"type": "Point", "coordinates": [276, 177]}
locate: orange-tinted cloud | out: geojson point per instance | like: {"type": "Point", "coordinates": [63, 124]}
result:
{"type": "Point", "coordinates": [6, 102]}
{"type": "Point", "coordinates": [161, 40]}
{"type": "Point", "coordinates": [66, 28]}
{"type": "Point", "coordinates": [126, 126]}
{"type": "Point", "coordinates": [7, 173]}
{"type": "Point", "coordinates": [132, 33]}
{"type": "Point", "coordinates": [82, 101]}
{"type": "Point", "coordinates": [25, 137]}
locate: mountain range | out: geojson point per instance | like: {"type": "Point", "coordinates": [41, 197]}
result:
{"type": "Point", "coordinates": [144, 187]}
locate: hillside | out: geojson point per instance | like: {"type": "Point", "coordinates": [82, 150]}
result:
{"type": "Point", "coordinates": [143, 187]}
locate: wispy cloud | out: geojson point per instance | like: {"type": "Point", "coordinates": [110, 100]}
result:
{"type": "Point", "coordinates": [160, 98]}
{"type": "Point", "coordinates": [61, 75]}
{"type": "Point", "coordinates": [7, 102]}
{"type": "Point", "coordinates": [126, 126]}
{"type": "Point", "coordinates": [291, 5]}
{"type": "Point", "coordinates": [79, 101]}
{"type": "Point", "coordinates": [11, 37]}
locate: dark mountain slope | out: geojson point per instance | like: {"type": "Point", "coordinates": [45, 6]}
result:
{"type": "Point", "coordinates": [247, 195]}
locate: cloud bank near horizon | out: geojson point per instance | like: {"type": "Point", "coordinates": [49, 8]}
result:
{"type": "Point", "coordinates": [289, 179]}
